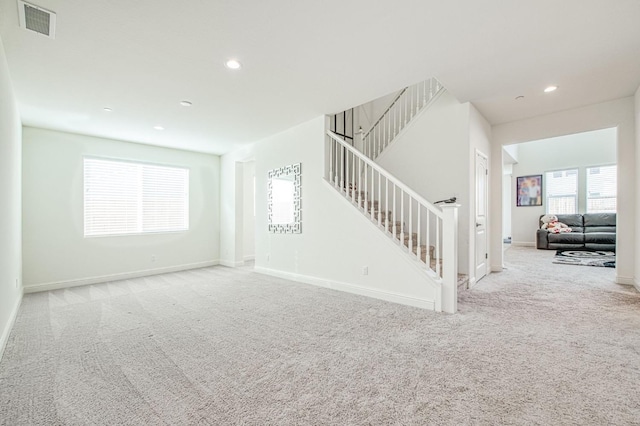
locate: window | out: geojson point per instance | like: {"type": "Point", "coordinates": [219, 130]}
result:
{"type": "Point", "coordinates": [562, 191]}
{"type": "Point", "coordinates": [601, 189]}
{"type": "Point", "coordinates": [122, 197]}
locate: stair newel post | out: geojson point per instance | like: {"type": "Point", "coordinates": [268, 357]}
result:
{"type": "Point", "coordinates": [450, 255]}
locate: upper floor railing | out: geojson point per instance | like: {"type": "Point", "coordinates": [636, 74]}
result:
{"type": "Point", "coordinates": [409, 102]}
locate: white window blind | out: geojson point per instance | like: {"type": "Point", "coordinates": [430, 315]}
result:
{"type": "Point", "coordinates": [561, 191]}
{"type": "Point", "coordinates": [123, 197]}
{"type": "Point", "coordinates": [601, 189]}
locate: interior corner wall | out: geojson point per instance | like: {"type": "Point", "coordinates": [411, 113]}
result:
{"type": "Point", "coordinates": [578, 151]}
{"type": "Point", "coordinates": [431, 156]}
{"type": "Point", "coordinates": [637, 192]}
{"type": "Point", "coordinates": [479, 142]}
{"type": "Point", "coordinates": [249, 219]}
{"type": "Point", "coordinates": [618, 113]}
{"type": "Point", "coordinates": [55, 252]}
{"type": "Point", "coordinates": [10, 204]}
{"type": "Point", "coordinates": [231, 205]}
{"type": "Point", "coordinates": [336, 241]}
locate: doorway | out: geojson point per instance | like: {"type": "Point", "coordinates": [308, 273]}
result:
{"type": "Point", "coordinates": [481, 240]}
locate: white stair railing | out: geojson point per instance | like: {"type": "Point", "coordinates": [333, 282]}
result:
{"type": "Point", "coordinates": [426, 232]}
{"type": "Point", "coordinates": [409, 102]}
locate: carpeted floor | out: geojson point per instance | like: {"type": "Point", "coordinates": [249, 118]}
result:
{"type": "Point", "coordinates": [539, 343]}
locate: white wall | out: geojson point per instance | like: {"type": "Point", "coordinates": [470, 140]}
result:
{"type": "Point", "coordinates": [10, 204]}
{"type": "Point", "coordinates": [637, 193]}
{"type": "Point", "coordinates": [577, 151]}
{"type": "Point", "coordinates": [617, 113]}
{"type": "Point", "coordinates": [249, 220]}
{"type": "Point", "coordinates": [55, 253]}
{"type": "Point", "coordinates": [432, 156]}
{"type": "Point", "coordinates": [336, 240]}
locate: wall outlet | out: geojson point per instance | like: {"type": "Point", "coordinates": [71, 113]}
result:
{"type": "Point", "coordinates": [365, 270]}
{"type": "Point", "coordinates": [153, 257]}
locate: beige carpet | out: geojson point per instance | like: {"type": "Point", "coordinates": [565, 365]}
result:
{"type": "Point", "coordinates": [539, 343]}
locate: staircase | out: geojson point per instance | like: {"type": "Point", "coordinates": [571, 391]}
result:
{"type": "Point", "coordinates": [425, 232]}
{"type": "Point", "coordinates": [407, 105]}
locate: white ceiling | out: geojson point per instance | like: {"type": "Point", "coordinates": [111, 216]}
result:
{"type": "Point", "coordinates": [305, 58]}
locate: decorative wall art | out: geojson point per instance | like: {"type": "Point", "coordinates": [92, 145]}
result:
{"type": "Point", "coordinates": [284, 200]}
{"type": "Point", "coordinates": [529, 191]}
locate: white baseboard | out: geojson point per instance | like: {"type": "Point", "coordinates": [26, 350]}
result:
{"type": "Point", "coordinates": [626, 281]}
{"type": "Point", "coordinates": [636, 284]}
{"type": "Point", "coordinates": [4, 338]}
{"type": "Point", "coordinates": [496, 268]}
{"type": "Point", "coordinates": [34, 288]}
{"type": "Point", "coordinates": [231, 264]}
{"type": "Point", "coordinates": [472, 282]}
{"type": "Point", "coordinates": [248, 258]}
{"type": "Point", "coordinates": [523, 244]}
{"type": "Point", "coordinates": [350, 288]}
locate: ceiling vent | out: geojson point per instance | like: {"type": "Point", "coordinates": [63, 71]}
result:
{"type": "Point", "coordinates": [37, 19]}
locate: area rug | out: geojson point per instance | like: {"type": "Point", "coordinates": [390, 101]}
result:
{"type": "Point", "coordinates": [606, 259]}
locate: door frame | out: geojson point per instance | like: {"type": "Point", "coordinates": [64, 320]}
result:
{"type": "Point", "coordinates": [474, 280]}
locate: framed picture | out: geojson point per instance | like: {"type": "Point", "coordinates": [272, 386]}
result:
{"type": "Point", "coordinates": [529, 191]}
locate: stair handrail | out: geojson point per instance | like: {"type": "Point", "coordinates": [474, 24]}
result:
{"type": "Point", "coordinates": [434, 209]}
{"type": "Point", "coordinates": [406, 105]}
{"type": "Point", "coordinates": [386, 111]}
{"type": "Point", "coordinates": [346, 167]}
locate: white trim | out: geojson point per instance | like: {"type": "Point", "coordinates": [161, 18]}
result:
{"type": "Point", "coordinates": [56, 285]}
{"type": "Point", "coordinates": [349, 288]}
{"type": "Point", "coordinates": [4, 338]}
{"type": "Point", "coordinates": [231, 263]}
{"type": "Point", "coordinates": [626, 281]}
{"type": "Point", "coordinates": [471, 282]}
{"type": "Point", "coordinates": [496, 268]}
{"type": "Point", "coordinates": [636, 284]}
{"type": "Point", "coordinates": [523, 244]}
{"type": "Point", "coordinates": [250, 257]}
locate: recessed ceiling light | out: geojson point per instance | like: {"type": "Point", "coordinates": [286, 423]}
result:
{"type": "Point", "coordinates": [519, 98]}
{"type": "Point", "coordinates": [185, 103]}
{"type": "Point", "coordinates": [233, 64]}
{"type": "Point", "coordinates": [158, 127]}
{"type": "Point", "coordinates": [550, 89]}
{"type": "Point", "coordinates": [107, 109]}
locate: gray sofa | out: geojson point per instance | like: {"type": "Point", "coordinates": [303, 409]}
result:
{"type": "Point", "coordinates": [590, 231]}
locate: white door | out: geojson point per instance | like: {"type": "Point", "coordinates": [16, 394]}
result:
{"type": "Point", "coordinates": [482, 180]}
